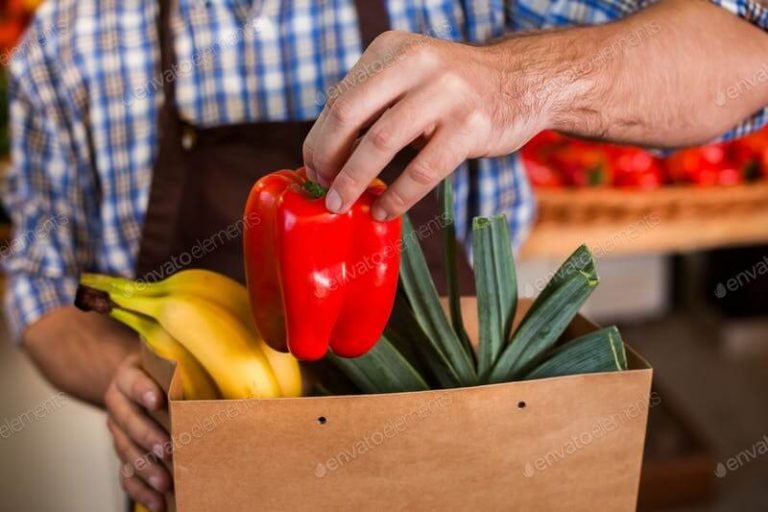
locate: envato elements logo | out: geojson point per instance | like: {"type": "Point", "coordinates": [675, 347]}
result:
{"type": "Point", "coordinates": [374, 439]}
{"type": "Point", "coordinates": [23, 240]}
{"type": "Point", "coordinates": [742, 86]}
{"type": "Point", "coordinates": [742, 279]}
{"type": "Point", "coordinates": [200, 249]}
{"type": "Point", "coordinates": [742, 458]}
{"type": "Point", "coordinates": [600, 429]}
{"type": "Point", "coordinates": [16, 424]}
{"type": "Point", "coordinates": [43, 38]}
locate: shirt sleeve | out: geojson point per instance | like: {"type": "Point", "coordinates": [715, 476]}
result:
{"type": "Point", "coordinates": [40, 259]}
{"type": "Point", "coordinates": [755, 12]}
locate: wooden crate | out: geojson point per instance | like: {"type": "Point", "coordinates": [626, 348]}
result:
{"type": "Point", "coordinates": [674, 218]}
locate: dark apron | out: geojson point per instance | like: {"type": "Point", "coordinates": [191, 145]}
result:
{"type": "Point", "coordinates": [202, 177]}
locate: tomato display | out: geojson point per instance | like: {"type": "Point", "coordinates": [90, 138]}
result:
{"type": "Point", "coordinates": [557, 161]}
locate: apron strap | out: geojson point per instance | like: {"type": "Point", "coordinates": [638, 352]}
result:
{"type": "Point", "coordinates": [167, 52]}
{"type": "Point", "coordinates": [373, 19]}
{"type": "Point", "coordinates": [168, 176]}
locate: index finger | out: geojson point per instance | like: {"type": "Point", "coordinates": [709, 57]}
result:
{"type": "Point", "coordinates": [439, 158]}
{"type": "Point", "coordinates": [367, 91]}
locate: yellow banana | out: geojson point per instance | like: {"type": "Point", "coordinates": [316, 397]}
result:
{"type": "Point", "coordinates": [286, 368]}
{"type": "Point", "coordinates": [216, 338]}
{"type": "Point", "coordinates": [196, 383]}
{"type": "Point", "coordinates": [218, 289]}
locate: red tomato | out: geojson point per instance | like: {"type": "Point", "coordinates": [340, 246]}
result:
{"type": "Point", "coordinates": [544, 140]}
{"type": "Point", "coordinates": [542, 174]}
{"type": "Point", "coordinates": [537, 157]}
{"type": "Point", "coordinates": [636, 168]}
{"type": "Point", "coordinates": [705, 166]}
{"type": "Point", "coordinates": [584, 164]}
{"type": "Point", "coordinates": [751, 154]}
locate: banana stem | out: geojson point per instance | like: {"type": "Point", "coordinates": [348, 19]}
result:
{"type": "Point", "coordinates": [120, 285]}
{"type": "Point", "coordinates": [91, 299]}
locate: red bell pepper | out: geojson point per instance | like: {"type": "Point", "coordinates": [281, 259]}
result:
{"type": "Point", "coordinates": [318, 279]}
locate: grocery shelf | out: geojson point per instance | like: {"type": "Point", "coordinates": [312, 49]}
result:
{"type": "Point", "coordinates": [671, 219]}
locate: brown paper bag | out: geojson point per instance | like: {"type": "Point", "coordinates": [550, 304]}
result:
{"type": "Point", "coordinates": [567, 444]}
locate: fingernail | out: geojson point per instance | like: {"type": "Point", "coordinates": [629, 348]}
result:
{"type": "Point", "coordinates": [150, 399]}
{"type": "Point", "coordinates": [333, 201]}
{"type": "Point", "coordinates": [311, 173]}
{"type": "Point", "coordinates": [156, 482]}
{"type": "Point", "coordinates": [127, 470]}
{"type": "Point", "coordinates": [158, 450]}
{"type": "Point", "coordinates": [378, 213]}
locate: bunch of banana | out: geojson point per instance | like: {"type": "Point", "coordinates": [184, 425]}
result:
{"type": "Point", "coordinates": [202, 320]}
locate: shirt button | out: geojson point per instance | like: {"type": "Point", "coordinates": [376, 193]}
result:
{"type": "Point", "coordinates": [188, 138]}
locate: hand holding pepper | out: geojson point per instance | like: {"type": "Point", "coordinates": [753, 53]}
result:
{"type": "Point", "coordinates": [445, 96]}
{"type": "Point", "coordinates": [459, 101]}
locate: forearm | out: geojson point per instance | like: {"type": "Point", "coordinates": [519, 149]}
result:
{"type": "Point", "coordinates": [96, 359]}
{"type": "Point", "coordinates": [78, 352]}
{"type": "Point", "coordinates": [678, 73]}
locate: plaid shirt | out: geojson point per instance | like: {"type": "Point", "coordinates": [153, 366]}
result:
{"type": "Point", "coordinates": [85, 94]}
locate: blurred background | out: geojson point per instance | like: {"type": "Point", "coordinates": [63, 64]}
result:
{"type": "Point", "coordinates": [56, 453]}
{"type": "Point", "coordinates": [683, 263]}
{"type": "Point", "coordinates": [682, 247]}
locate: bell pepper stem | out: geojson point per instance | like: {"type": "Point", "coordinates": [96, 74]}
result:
{"type": "Point", "coordinates": [314, 189]}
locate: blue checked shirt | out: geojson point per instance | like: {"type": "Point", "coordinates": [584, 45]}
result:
{"type": "Point", "coordinates": [85, 95]}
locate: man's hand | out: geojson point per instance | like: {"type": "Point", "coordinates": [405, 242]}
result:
{"type": "Point", "coordinates": [664, 77]}
{"type": "Point", "coordinates": [447, 97]}
{"type": "Point", "coordinates": [139, 441]}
